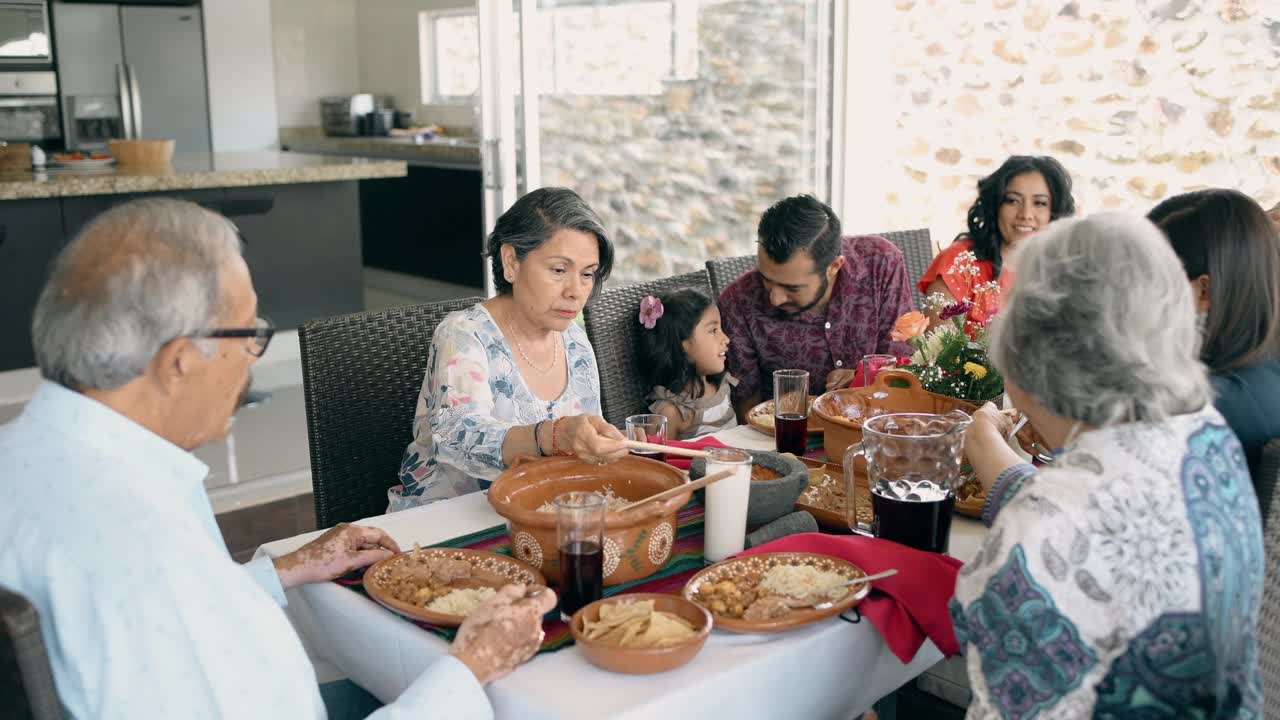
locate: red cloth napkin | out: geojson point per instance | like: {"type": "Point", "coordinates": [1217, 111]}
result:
{"type": "Point", "coordinates": [905, 608]}
{"type": "Point", "coordinates": [682, 462]}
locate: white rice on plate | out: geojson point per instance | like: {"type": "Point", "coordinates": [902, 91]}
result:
{"type": "Point", "coordinates": [799, 581]}
{"type": "Point", "coordinates": [461, 601]}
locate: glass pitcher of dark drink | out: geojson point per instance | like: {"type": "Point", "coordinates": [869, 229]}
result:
{"type": "Point", "coordinates": [913, 468]}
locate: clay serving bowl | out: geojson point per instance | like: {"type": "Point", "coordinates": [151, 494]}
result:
{"type": "Point", "coordinates": [776, 481]}
{"type": "Point", "coordinates": [636, 543]}
{"type": "Point", "coordinates": [894, 391]}
{"type": "Point", "coordinates": [640, 661]}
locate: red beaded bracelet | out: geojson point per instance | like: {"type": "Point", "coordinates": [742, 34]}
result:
{"type": "Point", "coordinates": [555, 438]}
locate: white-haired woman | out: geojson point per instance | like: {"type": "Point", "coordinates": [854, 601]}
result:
{"type": "Point", "coordinates": [514, 375]}
{"type": "Point", "coordinates": [1124, 579]}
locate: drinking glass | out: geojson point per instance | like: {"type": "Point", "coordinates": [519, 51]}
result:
{"type": "Point", "coordinates": [790, 410]}
{"type": "Point", "coordinates": [650, 429]}
{"type": "Point", "coordinates": [873, 364]}
{"type": "Point", "coordinates": [580, 539]}
{"type": "Point", "coordinates": [725, 525]}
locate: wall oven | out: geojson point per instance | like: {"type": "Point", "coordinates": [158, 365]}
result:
{"type": "Point", "coordinates": [29, 109]}
{"type": "Point", "coordinates": [24, 34]}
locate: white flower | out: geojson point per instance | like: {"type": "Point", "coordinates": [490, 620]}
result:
{"type": "Point", "coordinates": [935, 302]}
{"type": "Point", "coordinates": [929, 347]}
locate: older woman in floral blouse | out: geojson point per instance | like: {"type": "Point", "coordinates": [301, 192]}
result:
{"type": "Point", "coordinates": [1124, 579]}
{"type": "Point", "coordinates": [514, 375]}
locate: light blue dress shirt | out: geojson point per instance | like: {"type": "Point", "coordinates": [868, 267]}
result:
{"type": "Point", "coordinates": [105, 527]}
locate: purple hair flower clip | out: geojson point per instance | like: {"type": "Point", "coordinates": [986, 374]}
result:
{"type": "Point", "coordinates": [650, 310]}
{"type": "Point", "coordinates": [955, 309]}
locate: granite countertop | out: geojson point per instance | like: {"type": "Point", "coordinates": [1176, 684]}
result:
{"type": "Point", "coordinates": [196, 171]}
{"type": "Point", "coordinates": [442, 151]}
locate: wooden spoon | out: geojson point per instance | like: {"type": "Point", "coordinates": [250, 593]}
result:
{"type": "Point", "coordinates": [677, 490]}
{"type": "Point", "coordinates": [667, 449]}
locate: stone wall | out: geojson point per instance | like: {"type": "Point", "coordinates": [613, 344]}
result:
{"type": "Point", "coordinates": [1138, 99]}
{"type": "Point", "coordinates": [684, 175]}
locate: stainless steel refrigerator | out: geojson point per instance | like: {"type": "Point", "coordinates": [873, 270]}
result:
{"type": "Point", "coordinates": [128, 71]}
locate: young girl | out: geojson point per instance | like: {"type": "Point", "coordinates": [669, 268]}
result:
{"type": "Point", "coordinates": [682, 351]}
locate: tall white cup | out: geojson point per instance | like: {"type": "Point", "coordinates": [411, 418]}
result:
{"type": "Point", "coordinates": [725, 526]}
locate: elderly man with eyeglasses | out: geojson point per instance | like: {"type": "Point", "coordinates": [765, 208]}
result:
{"type": "Point", "coordinates": [145, 334]}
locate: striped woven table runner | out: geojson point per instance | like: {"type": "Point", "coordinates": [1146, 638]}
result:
{"type": "Point", "coordinates": [686, 560]}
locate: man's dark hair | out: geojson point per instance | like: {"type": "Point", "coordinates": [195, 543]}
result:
{"type": "Point", "coordinates": [800, 223]}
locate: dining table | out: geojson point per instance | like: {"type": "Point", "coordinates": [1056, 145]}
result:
{"type": "Point", "coordinates": [830, 669]}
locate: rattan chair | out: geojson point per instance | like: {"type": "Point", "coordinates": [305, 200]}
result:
{"type": "Point", "coordinates": [26, 680]}
{"type": "Point", "coordinates": [917, 250]}
{"type": "Point", "coordinates": [361, 375]}
{"type": "Point", "coordinates": [916, 247]}
{"type": "Point", "coordinates": [723, 271]}
{"type": "Point", "coordinates": [1269, 618]}
{"type": "Point", "coordinates": [613, 328]}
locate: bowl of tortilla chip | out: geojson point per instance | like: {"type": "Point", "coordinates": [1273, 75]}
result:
{"type": "Point", "coordinates": [641, 633]}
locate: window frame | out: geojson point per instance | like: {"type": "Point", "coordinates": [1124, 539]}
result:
{"type": "Point", "coordinates": [430, 68]}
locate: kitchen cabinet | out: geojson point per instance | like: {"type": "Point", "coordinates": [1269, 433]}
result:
{"type": "Point", "coordinates": [429, 224]}
{"type": "Point", "coordinates": [301, 243]}
{"type": "Point", "coordinates": [30, 237]}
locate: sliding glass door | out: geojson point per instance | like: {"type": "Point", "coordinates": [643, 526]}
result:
{"type": "Point", "coordinates": [680, 121]}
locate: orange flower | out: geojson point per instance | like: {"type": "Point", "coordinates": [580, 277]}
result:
{"type": "Point", "coordinates": [909, 327]}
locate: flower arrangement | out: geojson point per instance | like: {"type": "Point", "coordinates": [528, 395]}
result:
{"type": "Point", "coordinates": [953, 358]}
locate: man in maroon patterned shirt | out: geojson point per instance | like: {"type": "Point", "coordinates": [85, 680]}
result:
{"type": "Point", "coordinates": [817, 302]}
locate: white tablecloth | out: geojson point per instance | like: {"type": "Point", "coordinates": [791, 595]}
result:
{"type": "Point", "coordinates": [832, 669]}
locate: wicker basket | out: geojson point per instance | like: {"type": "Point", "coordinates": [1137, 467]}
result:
{"type": "Point", "coordinates": [15, 156]}
{"type": "Point", "coordinates": [142, 152]}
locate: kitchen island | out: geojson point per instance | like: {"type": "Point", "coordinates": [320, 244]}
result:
{"type": "Point", "coordinates": [404, 220]}
{"type": "Point", "coordinates": [299, 216]}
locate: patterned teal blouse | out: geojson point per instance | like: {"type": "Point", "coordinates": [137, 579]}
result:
{"type": "Point", "coordinates": [471, 396]}
{"type": "Point", "coordinates": [1124, 581]}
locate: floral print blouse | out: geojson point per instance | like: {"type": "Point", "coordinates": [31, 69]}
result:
{"type": "Point", "coordinates": [1122, 581]}
{"type": "Point", "coordinates": [471, 396]}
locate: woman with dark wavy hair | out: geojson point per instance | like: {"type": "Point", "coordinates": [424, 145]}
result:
{"type": "Point", "coordinates": [1231, 253]}
{"type": "Point", "coordinates": [1019, 199]}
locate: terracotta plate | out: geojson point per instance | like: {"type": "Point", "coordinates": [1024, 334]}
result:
{"type": "Point", "coordinates": [749, 568]}
{"type": "Point", "coordinates": [973, 500]}
{"type": "Point", "coordinates": [488, 569]}
{"type": "Point", "coordinates": [824, 496]}
{"type": "Point", "coordinates": [760, 417]}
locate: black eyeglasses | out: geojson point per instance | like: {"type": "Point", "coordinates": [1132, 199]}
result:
{"type": "Point", "coordinates": [261, 335]}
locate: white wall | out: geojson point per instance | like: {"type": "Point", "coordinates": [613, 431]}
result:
{"type": "Point", "coordinates": [315, 56]}
{"type": "Point", "coordinates": [242, 97]}
{"type": "Point", "coordinates": [389, 56]}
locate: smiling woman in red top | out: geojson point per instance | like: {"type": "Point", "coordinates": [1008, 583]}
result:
{"type": "Point", "coordinates": [1020, 198]}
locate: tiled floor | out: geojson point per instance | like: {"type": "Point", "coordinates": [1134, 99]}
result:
{"type": "Point", "coordinates": [259, 479]}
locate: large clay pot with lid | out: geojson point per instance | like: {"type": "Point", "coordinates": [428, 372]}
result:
{"type": "Point", "coordinates": [894, 391]}
{"type": "Point", "coordinates": [636, 544]}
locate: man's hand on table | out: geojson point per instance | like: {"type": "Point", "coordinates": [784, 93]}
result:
{"type": "Point", "coordinates": [840, 378]}
{"type": "Point", "coordinates": [502, 633]}
{"type": "Point", "coordinates": [337, 552]}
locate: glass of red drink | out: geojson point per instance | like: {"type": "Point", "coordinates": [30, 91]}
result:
{"type": "Point", "coordinates": [580, 539]}
{"type": "Point", "coordinates": [791, 410]}
{"type": "Point", "coordinates": [873, 364]}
